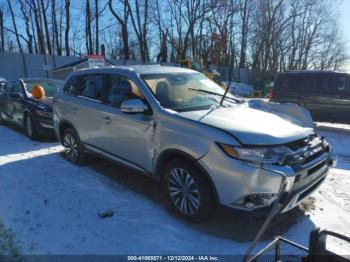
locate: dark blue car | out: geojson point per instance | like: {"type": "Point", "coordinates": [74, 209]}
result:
{"type": "Point", "coordinates": [19, 107]}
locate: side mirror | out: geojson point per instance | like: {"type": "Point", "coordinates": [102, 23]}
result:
{"type": "Point", "coordinates": [321, 246]}
{"type": "Point", "coordinates": [133, 106]}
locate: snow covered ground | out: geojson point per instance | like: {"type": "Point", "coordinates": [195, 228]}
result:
{"type": "Point", "coordinates": [52, 207]}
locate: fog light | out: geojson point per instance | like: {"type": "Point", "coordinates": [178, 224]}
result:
{"type": "Point", "coordinates": [255, 201]}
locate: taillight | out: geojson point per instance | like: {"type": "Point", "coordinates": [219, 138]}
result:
{"type": "Point", "coordinates": [271, 94]}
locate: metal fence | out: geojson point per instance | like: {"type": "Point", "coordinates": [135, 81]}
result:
{"type": "Point", "coordinates": [281, 249]}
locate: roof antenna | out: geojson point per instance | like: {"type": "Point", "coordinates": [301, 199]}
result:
{"type": "Point", "coordinates": [230, 72]}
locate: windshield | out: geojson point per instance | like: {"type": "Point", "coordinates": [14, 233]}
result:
{"type": "Point", "coordinates": [51, 87]}
{"type": "Point", "coordinates": [186, 91]}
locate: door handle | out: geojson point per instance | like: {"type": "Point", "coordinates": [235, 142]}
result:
{"type": "Point", "coordinates": [75, 109]}
{"type": "Point", "coordinates": [107, 118]}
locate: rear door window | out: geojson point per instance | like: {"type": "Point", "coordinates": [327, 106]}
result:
{"type": "Point", "coordinates": [308, 83]}
{"type": "Point", "coordinates": [91, 87]}
{"type": "Point", "coordinates": [8, 87]}
{"type": "Point", "coordinates": [17, 88]}
{"type": "Point", "coordinates": [87, 86]}
{"type": "Point", "coordinates": [323, 84]}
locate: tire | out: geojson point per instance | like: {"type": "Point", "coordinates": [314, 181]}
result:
{"type": "Point", "coordinates": [188, 190]}
{"type": "Point", "coordinates": [2, 121]}
{"type": "Point", "coordinates": [74, 150]}
{"type": "Point", "coordinates": [29, 127]}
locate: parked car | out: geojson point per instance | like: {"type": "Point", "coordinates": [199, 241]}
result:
{"type": "Point", "coordinates": [2, 82]}
{"type": "Point", "coordinates": [325, 94]}
{"type": "Point", "coordinates": [167, 122]}
{"type": "Point", "coordinates": [19, 107]}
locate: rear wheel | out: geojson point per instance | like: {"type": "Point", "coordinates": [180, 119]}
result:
{"type": "Point", "coordinates": [188, 190]}
{"type": "Point", "coordinates": [74, 150]}
{"type": "Point", "coordinates": [29, 127]}
{"type": "Point", "coordinates": [2, 120]}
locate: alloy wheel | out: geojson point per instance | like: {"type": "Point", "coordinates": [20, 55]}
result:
{"type": "Point", "coordinates": [183, 191]}
{"type": "Point", "coordinates": [71, 147]}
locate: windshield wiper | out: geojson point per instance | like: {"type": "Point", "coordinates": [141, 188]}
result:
{"type": "Point", "coordinates": [214, 93]}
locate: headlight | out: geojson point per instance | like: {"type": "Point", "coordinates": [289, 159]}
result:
{"type": "Point", "coordinates": [43, 113]}
{"type": "Point", "coordinates": [270, 155]}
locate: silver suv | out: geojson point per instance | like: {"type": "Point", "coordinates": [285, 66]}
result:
{"type": "Point", "coordinates": [170, 123]}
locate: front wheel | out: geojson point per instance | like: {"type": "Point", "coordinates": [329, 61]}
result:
{"type": "Point", "coordinates": [74, 150]}
{"type": "Point", "coordinates": [29, 127]}
{"type": "Point", "coordinates": [188, 190]}
{"type": "Point", "coordinates": [2, 120]}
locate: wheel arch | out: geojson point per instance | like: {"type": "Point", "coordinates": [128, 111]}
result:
{"type": "Point", "coordinates": [169, 154]}
{"type": "Point", "coordinates": [25, 114]}
{"type": "Point", "coordinates": [62, 126]}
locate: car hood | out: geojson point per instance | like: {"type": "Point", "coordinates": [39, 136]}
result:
{"type": "Point", "coordinates": [258, 123]}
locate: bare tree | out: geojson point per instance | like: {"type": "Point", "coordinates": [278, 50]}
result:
{"type": "Point", "coordinates": [88, 32]}
{"type": "Point", "coordinates": [46, 26]}
{"type": "Point", "coordinates": [66, 33]}
{"type": "Point", "coordinates": [97, 15]}
{"type": "Point", "coordinates": [2, 34]}
{"type": "Point", "coordinates": [26, 17]}
{"type": "Point", "coordinates": [17, 37]}
{"type": "Point", "coordinates": [245, 12]}
{"type": "Point", "coordinates": [123, 21]}
{"type": "Point", "coordinates": [56, 38]}
{"type": "Point", "coordinates": [140, 28]}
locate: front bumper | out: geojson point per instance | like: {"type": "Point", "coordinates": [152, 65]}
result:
{"type": "Point", "coordinates": [44, 126]}
{"type": "Point", "coordinates": [246, 186]}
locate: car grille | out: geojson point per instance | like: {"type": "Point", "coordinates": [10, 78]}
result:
{"type": "Point", "coordinates": [305, 151]}
{"type": "Point", "coordinates": [300, 177]}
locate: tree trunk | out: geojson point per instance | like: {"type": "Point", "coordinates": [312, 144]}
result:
{"type": "Point", "coordinates": [97, 42]}
{"type": "Point", "coordinates": [244, 33]}
{"type": "Point", "coordinates": [124, 26]}
{"type": "Point", "coordinates": [46, 27]}
{"type": "Point", "coordinates": [2, 36]}
{"type": "Point", "coordinates": [27, 27]}
{"type": "Point", "coordinates": [66, 33]}
{"type": "Point", "coordinates": [88, 34]}
{"type": "Point", "coordinates": [17, 37]}
{"type": "Point", "coordinates": [55, 30]}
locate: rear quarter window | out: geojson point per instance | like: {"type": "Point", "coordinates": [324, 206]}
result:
{"type": "Point", "coordinates": [342, 84]}
{"type": "Point", "coordinates": [323, 84]}
{"type": "Point", "coordinates": [308, 83]}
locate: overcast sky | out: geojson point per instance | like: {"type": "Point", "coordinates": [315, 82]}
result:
{"type": "Point", "coordinates": [345, 24]}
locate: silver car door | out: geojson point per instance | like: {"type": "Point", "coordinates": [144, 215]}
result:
{"type": "Point", "coordinates": [87, 109]}
{"type": "Point", "coordinates": [128, 137]}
